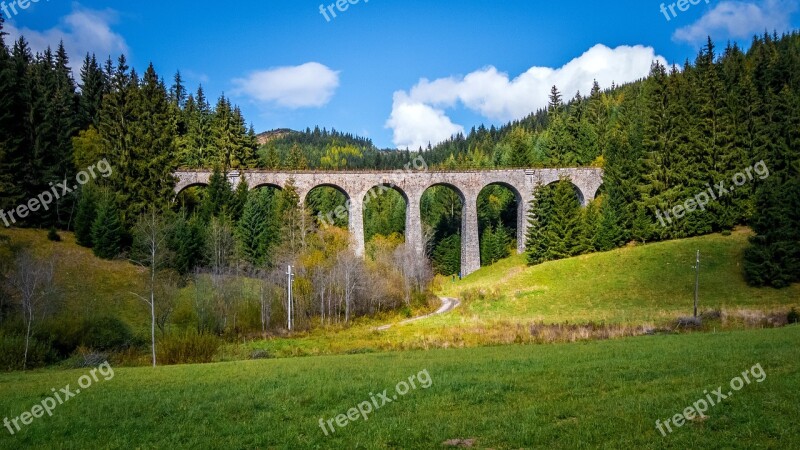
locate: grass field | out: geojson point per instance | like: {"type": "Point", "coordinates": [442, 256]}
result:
{"type": "Point", "coordinates": [604, 394]}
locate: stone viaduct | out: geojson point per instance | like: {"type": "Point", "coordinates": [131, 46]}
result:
{"type": "Point", "coordinates": [411, 184]}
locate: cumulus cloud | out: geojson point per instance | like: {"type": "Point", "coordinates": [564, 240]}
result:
{"type": "Point", "coordinates": [416, 124]}
{"type": "Point", "coordinates": [82, 31]}
{"type": "Point", "coordinates": [308, 85]}
{"type": "Point", "coordinates": [739, 20]}
{"type": "Point", "coordinates": [419, 117]}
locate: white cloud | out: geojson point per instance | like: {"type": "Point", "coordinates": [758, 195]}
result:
{"type": "Point", "coordinates": [82, 31]}
{"type": "Point", "coordinates": [308, 85]}
{"type": "Point", "coordinates": [416, 124]}
{"type": "Point", "coordinates": [739, 20]}
{"type": "Point", "coordinates": [418, 116]}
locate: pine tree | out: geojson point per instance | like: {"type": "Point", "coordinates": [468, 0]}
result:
{"type": "Point", "coordinates": [239, 200]}
{"type": "Point", "coordinates": [93, 88]}
{"type": "Point", "coordinates": [85, 215]}
{"type": "Point", "coordinates": [107, 229]}
{"type": "Point", "coordinates": [563, 232]}
{"type": "Point", "coordinates": [446, 258]}
{"type": "Point", "coordinates": [773, 258]}
{"type": "Point", "coordinates": [218, 196]}
{"type": "Point", "coordinates": [148, 179]}
{"type": "Point", "coordinates": [540, 212]}
{"type": "Point", "coordinates": [11, 120]}
{"type": "Point", "coordinates": [272, 160]}
{"type": "Point", "coordinates": [256, 231]}
{"type": "Point", "coordinates": [188, 243]}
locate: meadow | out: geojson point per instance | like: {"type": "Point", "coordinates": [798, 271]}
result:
{"type": "Point", "coordinates": [604, 394]}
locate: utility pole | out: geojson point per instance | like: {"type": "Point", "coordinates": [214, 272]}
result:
{"type": "Point", "coordinates": [291, 301]}
{"type": "Point", "coordinates": [696, 281]}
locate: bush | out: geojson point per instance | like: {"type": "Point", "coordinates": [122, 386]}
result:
{"type": "Point", "coordinates": [189, 348]}
{"type": "Point", "coordinates": [105, 333]}
{"type": "Point", "coordinates": [12, 352]}
{"type": "Point", "coordinates": [793, 316]}
{"type": "Point", "coordinates": [53, 235]}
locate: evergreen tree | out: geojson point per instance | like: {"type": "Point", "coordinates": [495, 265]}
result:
{"type": "Point", "coordinates": [148, 178]}
{"type": "Point", "coordinates": [446, 258]}
{"type": "Point", "coordinates": [188, 243]}
{"type": "Point", "coordinates": [539, 214]}
{"type": "Point", "coordinates": [93, 88]}
{"type": "Point", "coordinates": [85, 215]}
{"type": "Point", "coordinates": [218, 196]}
{"type": "Point", "coordinates": [257, 230]}
{"type": "Point", "coordinates": [563, 231]}
{"type": "Point", "coordinates": [773, 258]}
{"type": "Point", "coordinates": [239, 200]}
{"type": "Point", "coordinates": [107, 229]}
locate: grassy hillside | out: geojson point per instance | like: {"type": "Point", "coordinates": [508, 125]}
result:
{"type": "Point", "coordinates": [599, 394]}
{"type": "Point", "coordinates": [628, 290]}
{"type": "Point", "coordinates": [649, 283]}
{"type": "Point", "coordinates": [89, 285]}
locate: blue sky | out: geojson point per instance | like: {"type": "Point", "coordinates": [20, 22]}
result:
{"type": "Point", "coordinates": [402, 73]}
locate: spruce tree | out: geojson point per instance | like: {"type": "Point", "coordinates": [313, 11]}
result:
{"type": "Point", "coordinates": [217, 197]}
{"type": "Point", "coordinates": [446, 258]}
{"type": "Point", "coordinates": [256, 231]}
{"type": "Point", "coordinates": [563, 232]}
{"type": "Point", "coordinates": [107, 229]}
{"type": "Point", "coordinates": [188, 243]}
{"type": "Point", "coordinates": [85, 215]}
{"type": "Point", "coordinates": [539, 215]}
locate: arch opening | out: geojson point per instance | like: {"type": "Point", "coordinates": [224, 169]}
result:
{"type": "Point", "coordinates": [329, 204]}
{"type": "Point", "coordinates": [499, 221]}
{"type": "Point", "coordinates": [385, 213]}
{"type": "Point", "coordinates": [442, 207]}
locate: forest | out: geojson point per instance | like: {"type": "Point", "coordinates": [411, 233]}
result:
{"type": "Point", "coordinates": [222, 252]}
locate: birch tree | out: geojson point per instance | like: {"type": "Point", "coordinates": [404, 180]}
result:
{"type": "Point", "coordinates": [150, 235]}
{"type": "Point", "coordinates": [32, 280]}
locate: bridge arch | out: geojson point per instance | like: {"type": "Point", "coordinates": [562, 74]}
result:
{"type": "Point", "coordinates": [327, 215]}
{"type": "Point", "coordinates": [266, 185]}
{"type": "Point", "coordinates": [381, 191]}
{"type": "Point", "coordinates": [520, 207]}
{"type": "Point", "coordinates": [578, 192]}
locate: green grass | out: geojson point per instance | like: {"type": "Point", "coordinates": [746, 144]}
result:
{"type": "Point", "coordinates": [632, 285]}
{"type": "Point", "coordinates": [88, 285]}
{"type": "Point", "coordinates": [604, 394]}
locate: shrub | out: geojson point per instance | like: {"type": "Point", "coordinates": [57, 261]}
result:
{"type": "Point", "coordinates": [726, 232]}
{"type": "Point", "coordinates": [12, 352]}
{"type": "Point", "coordinates": [53, 235]}
{"type": "Point", "coordinates": [106, 333]}
{"type": "Point", "coordinates": [793, 316]}
{"type": "Point", "coordinates": [189, 348]}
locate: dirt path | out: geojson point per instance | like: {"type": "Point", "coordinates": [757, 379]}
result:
{"type": "Point", "coordinates": [448, 304]}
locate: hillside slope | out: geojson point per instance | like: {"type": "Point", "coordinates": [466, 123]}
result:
{"type": "Point", "coordinates": [634, 284]}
